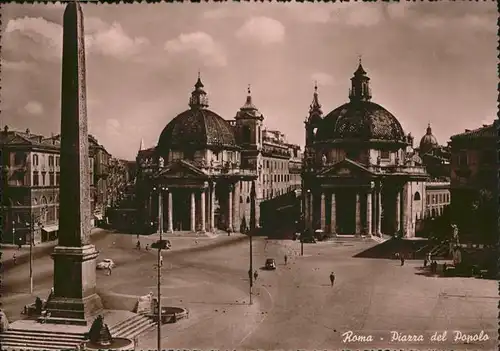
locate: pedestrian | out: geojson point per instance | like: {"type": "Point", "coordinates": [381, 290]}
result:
{"type": "Point", "coordinates": [147, 247]}
{"type": "Point", "coordinates": [332, 278]}
{"type": "Point", "coordinates": [109, 270]}
{"type": "Point", "coordinates": [425, 262]}
{"type": "Point", "coordinates": [228, 231]}
{"type": "Point", "coordinates": [14, 257]}
{"type": "Point", "coordinates": [286, 259]}
{"type": "Point", "coordinates": [402, 260]}
{"type": "Point", "coordinates": [138, 245]}
{"type": "Point", "coordinates": [255, 275]}
{"type": "Point", "coordinates": [19, 245]}
{"type": "Point", "coordinates": [396, 255]}
{"type": "Point", "coordinates": [444, 267]}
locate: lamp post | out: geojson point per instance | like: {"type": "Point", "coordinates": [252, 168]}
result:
{"type": "Point", "coordinates": [34, 220]}
{"type": "Point", "coordinates": [252, 228]}
{"type": "Point", "coordinates": [160, 261]}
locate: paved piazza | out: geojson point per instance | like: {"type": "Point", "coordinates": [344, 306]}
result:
{"type": "Point", "coordinates": [295, 307]}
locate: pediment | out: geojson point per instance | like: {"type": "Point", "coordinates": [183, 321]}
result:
{"type": "Point", "coordinates": [181, 169]}
{"type": "Point", "coordinates": [345, 168]}
{"type": "Point", "coordinates": [19, 140]}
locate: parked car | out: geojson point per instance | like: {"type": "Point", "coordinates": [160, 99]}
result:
{"type": "Point", "coordinates": [105, 264]}
{"type": "Point", "coordinates": [270, 264]}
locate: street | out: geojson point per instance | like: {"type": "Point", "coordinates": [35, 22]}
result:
{"type": "Point", "coordinates": [294, 306]}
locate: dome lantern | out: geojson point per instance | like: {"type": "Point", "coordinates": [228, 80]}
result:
{"type": "Point", "coordinates": [360, 85]}
{"type": "Point", "coordinates": [199, 99]}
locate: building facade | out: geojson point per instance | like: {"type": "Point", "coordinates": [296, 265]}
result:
{"type": "Point", "coordinates": [31, 178]}
{"type": "Point", "coordinates": [216, 171]}
{"type": "Point", "coordinates": [438, 197]}
{"type": "Point", "coordinates": [474, 168]}
{"type": "Point", "coordinates": [360, 174]}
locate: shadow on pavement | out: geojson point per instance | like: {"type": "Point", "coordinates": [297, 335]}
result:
{"type": "Point", "coordinates": [388, 248]}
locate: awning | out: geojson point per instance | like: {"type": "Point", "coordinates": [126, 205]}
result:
{"type": "Point", "coordinates": [51, 228]}
{"type": "Point", "coordinates": [98, 217]}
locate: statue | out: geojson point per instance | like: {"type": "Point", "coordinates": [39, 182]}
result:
{"type": "Point", "coordinates": [323, 160]}
{"type": "Point", "coordinates": [397, 161]}
{"type": "Point", "coordinates": [161, 162]}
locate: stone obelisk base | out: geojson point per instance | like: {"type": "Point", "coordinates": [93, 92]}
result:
{"type": "Point", "coordinates": [74, 300]}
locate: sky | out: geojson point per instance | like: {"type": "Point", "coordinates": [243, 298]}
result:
{"type": "Point", "coordinates": [429, 62]}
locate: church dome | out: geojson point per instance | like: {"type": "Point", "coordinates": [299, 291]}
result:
{"type": "Point", "coordinates": [428, 141]}
{"type": "Point", "coordinates": [360, 119]}
{"type": "Point", "coordinates": [198, 127]}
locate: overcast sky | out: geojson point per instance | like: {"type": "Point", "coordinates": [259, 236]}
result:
{"type": "Point", "coordinates": [428, 62]}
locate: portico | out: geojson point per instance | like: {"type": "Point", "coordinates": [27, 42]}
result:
{"type": "Point", "coordinates": [194, 201]}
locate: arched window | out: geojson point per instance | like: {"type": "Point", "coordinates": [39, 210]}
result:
{"type": "Point", "coordinates": [43, 200]}
{"type": "Point", "coordinates": [247, 134]}
{"type": "Point", "coordinates": [417, 196]}
{"type": "Point", "coordinates": [35, 160]}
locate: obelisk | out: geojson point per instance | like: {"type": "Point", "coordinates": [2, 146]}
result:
{"type": "Point", "coordinates": [74, 300]}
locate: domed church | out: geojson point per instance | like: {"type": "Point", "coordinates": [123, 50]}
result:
{"type": "Point", "coordinates": [198, 166]}
{"type": "Point", "coordinates": [360, 175]}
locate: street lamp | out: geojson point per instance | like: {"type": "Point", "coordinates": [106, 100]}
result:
{"type": "Point", "coordinates": [34, 220]}
{"type": "Point", "coordinates": [159, 245]}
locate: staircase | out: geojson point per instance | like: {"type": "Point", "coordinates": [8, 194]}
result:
{"type": "Point", "coordinates": [17, 339]}
{"type": "Point", "coordinates": [132, 327]}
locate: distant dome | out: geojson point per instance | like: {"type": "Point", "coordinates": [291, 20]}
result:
{"type": "Point", "coordinates": [198, 127]}
{"type": "Point", "coordinates": [428, 141]}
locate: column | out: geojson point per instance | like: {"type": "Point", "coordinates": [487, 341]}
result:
{"type": "Point", "coordinates": [202, 210]}
{"type": "Point", "coordinates": [306, 209]}
{"type": "Point", "coordinates": [212, 208]}
{"type": "Point", "coordinates": [379, 212]}
{"type": "Point", "coordinates": [323, 213]}
{"type": "Point", "coordinates": [398, 212]}
{"type": "Point", "coordinates": [236, 208]}
{"type": "Point", "coordinates": [230, 208]}
{"type": "Point", "coordinates": [406, 222]}
{"type": "Point", "coordinates": [358, 215]}
{"type": "Point", "coordinates": [369, 213]}
{"type": "Point", "coordinates": [333, 217]}
{"type": "Point", "coordinates": [170, 213]}
{"type": "Point", "coordinates": [311, 210]}
{"type": "Point", "coordinates": [193, 212]}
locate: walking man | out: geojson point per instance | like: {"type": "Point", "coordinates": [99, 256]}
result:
{"type": "Point", "coordinates": [402, 260]}
{"type": "Point", "coordinates": [14, 257]}
{"type": "Point", "coordinates": [109, 269]}
{"type": "Point", "coordinates": [332, 278]}
{"type": "Point", "coordinates": [286, 259]}
{"type": "Point", "coordinates": [255, 276]}
{"type": "Point", "coordinates": [138, 245]}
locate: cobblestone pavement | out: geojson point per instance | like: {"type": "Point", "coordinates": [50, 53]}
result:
{"type": "Point", "coordinates": [295, 307]}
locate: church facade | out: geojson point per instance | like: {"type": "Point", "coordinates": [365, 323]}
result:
{"type": "Point", "coordinates": [361, 175]}
{"type": "Point", "coordinates": [208, 173]}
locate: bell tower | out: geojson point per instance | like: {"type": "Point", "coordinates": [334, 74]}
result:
{"type": "Point", "coordinates": [314, 119]}
{"type": "Point", "coordinates": [249, 125]}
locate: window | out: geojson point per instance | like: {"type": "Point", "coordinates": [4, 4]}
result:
{"type": "Point", "coordinates": [51, 179]}
{"type": "Point", "coordinates": [247, 135]}
{"type": "Point", "coordinates": [462, 159]}
{"type": "Point", "coordinates": [18, 158]}
{"type": "Point", "coordinates": [417, 196]}
{"type": "Point", "coordinates": [35, 160]}
{"type": "Point", "coordinates": [428, 199]}
{"type": "Point", "coordinates": [35, 178]}
{"type": "Point", "coordinates": [57, 161]}
{"type": "Point", "coordinates": [43, 178]}
{"type": "Point", "coordinates": [51, 161]}
{"type": "Point", "coordinates": [58, 178]}
{"type": "Point", "coordinates": [385, 155]}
